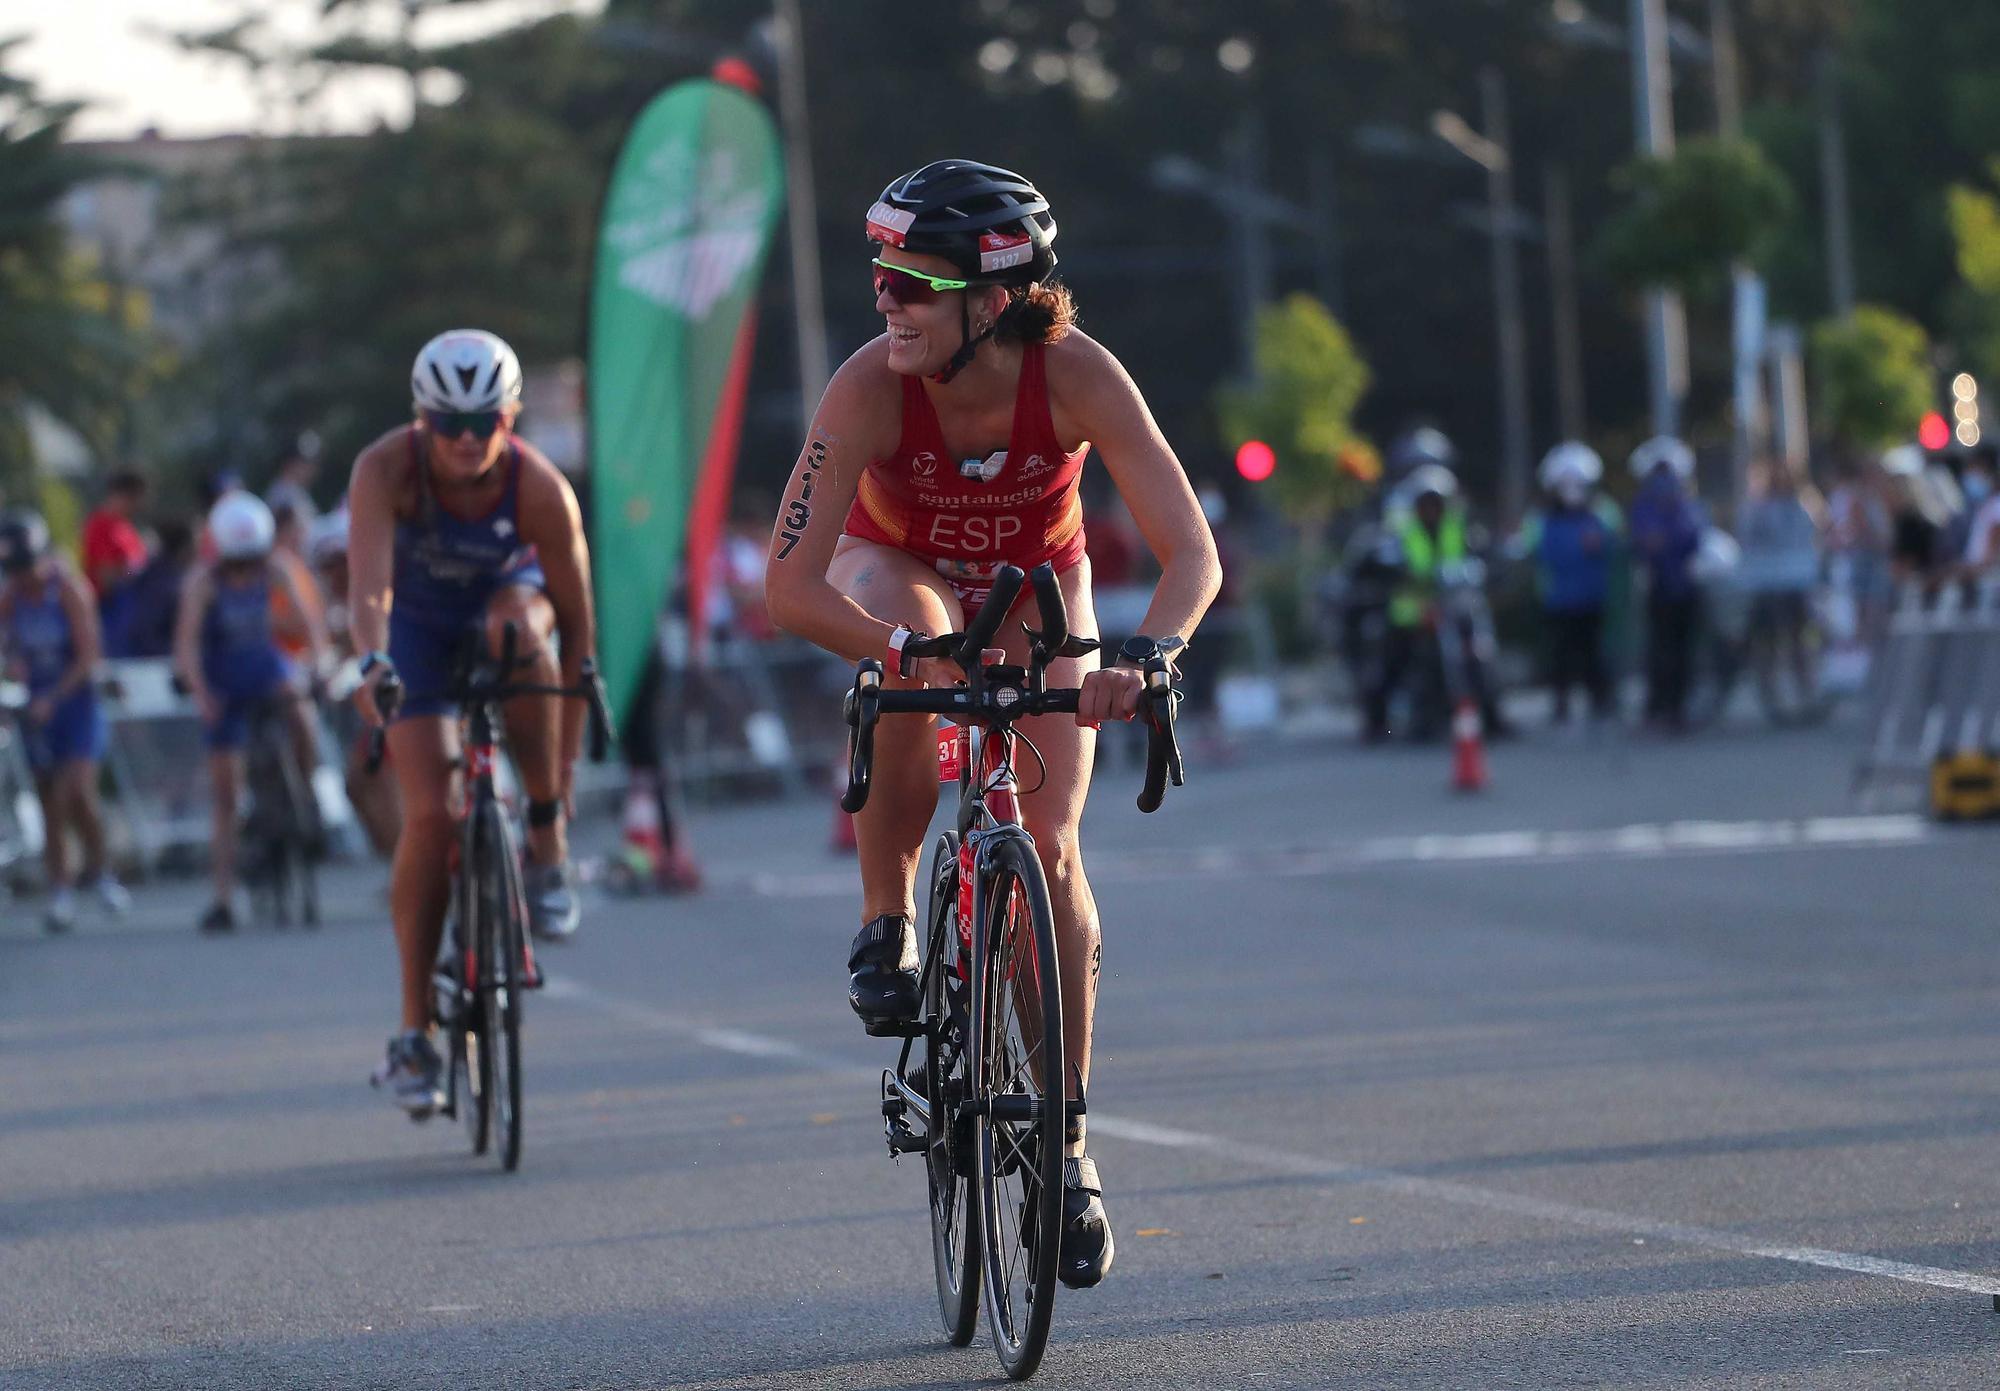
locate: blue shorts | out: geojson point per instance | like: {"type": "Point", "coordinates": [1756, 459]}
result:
{"type": "Point", "coordinates": [240, 685]}
{"type": "Point", "coordinates": [424, 644]}
{"type": "Point", "coordinates": [75, 731]}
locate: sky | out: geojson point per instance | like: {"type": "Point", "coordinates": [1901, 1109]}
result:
{"type": "Point", "coordinates": [111, 53]}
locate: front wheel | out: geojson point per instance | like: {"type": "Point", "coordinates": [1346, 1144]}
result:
{"type": "Point", "coordinates": [947, 1083]}
{"type": "Point", "coordinates": [502, 920]}
{"type": "Point", "coordinates": [1018, 1080]}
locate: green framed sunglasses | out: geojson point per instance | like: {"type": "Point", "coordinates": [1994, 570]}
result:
{"type": "Point", "coordinates": [906, 286]}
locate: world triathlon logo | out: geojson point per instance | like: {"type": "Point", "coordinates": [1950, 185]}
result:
{"type": "Point", "coordinates": [688, 228]}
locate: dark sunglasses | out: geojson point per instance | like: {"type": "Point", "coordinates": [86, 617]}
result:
{"type": "Point", "coordinates": [906, 286]}
{"type": "Point", "coordinates": [451, 424]}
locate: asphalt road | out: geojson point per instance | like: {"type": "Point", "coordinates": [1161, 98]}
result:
{"type": "Point", "coordinates": [1656, 1065]}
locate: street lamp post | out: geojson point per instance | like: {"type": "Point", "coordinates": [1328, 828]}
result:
{"type": "Point", "coordinates": [1652, 110]}
{"type": "Point", "coordinates": [1489, 149]}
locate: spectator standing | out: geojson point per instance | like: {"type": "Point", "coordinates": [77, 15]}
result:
{"type": "Point", "coordinates": [156, 593]}
{"type": "Point", "coordinates": [1779, 570]}
{"type": "Point", "coordinates": [113, 554]}
{"type": "Point", "coordinates": [291, 488]}
{"type": "Point", "coordinates": [1572, 541]}
{"type": "Point", "coordinates": [1858, 532]}
{"type": "Point", "coordinates": [1981, 483]}
{"type": "Point", "coordinates": [1666, 529]}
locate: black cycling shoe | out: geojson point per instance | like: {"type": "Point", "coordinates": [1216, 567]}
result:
{"type": "Point", "coordinates": [883, 986]}
{"type": "Point", "coordinates": [1087, 1247]}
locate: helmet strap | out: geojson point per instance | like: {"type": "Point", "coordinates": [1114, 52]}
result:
{"type": "Point", "coordinates": [969, 345]}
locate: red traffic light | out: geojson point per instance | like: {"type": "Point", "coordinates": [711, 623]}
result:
{"type": "Point", "coordinates": [1255, 460]}
{"type": "Point", "coordinates": [1934, 434]}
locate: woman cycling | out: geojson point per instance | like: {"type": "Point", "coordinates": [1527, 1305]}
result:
{"type": "Point", "coordinates": [948, 446]}
{"type": "Point", "coordinates": [50, 625]}
{"type": "Point", "coordinates": [226, 651]}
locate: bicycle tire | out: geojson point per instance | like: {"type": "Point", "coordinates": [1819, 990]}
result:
{"type": "Point", "coordinates": [502, 929]}
{"type": "Point", "coordinates": [947, 1069]}
{"type": "Point", "coordinates": [1019, 1240]}
{"type": "Point", "coordinates": [466, 1021]}
{"type": "Point", "coordinates": [468, 1027]}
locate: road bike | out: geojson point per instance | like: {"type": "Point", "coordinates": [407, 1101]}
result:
{"type": "Point", "coordinates": [488, 962]}
{"type": "Point", "coordinates": [984, 1102]}
{"type": "Point", "coordinates": [283, 837]}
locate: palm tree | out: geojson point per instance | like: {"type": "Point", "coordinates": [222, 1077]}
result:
{"type": "Point", "coordinates": [60, 347]}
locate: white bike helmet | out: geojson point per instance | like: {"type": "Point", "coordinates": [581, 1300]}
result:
{"type": "Point", "coordinates": [328, 541]}
{"type": "Point", "coordinates": [466, 369]}
{"type": "Point", "coordinates": [242, 526]}
{"type": "Point", "coordinates": [1663, 449]}
{"type": "Point", "coordinates": [1571, 462]}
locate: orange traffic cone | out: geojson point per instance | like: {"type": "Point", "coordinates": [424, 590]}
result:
{"type": "Point", "coordinates": [1468, 748]}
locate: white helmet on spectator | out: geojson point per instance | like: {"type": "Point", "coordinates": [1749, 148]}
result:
{"type": "Point", "coordinates": [242, 526]}
{"type": "Point", "coordinates": [1574, 462]}
{"type": "Point", "coordinates": [1430, 478]}
{"type": "Point", "coordinates": [466, 369]}
{"type": "Point", "coordinates": [1663, 449]}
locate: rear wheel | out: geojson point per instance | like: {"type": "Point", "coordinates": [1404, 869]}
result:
{"type": "Point", "coordinates": [948, 1163]}
{"type": "Point", "coordinates": [1018, 1071]}
{"type": "Point", "coordinates": [502, 927]}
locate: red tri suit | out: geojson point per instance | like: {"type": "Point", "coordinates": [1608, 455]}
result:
{"type": "Point", "coordinates": [969, 517]}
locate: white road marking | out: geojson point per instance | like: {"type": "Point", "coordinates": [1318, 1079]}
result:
{"type": "Point", "coordinates": [1316, 1168]}
{"type": "Point", "coordinates": [1646, 840]}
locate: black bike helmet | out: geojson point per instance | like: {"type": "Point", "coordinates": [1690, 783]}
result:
{"type": "Point", "coordinates": [24, 539]}
{"type": "Point", "coordinates": [990, 223]}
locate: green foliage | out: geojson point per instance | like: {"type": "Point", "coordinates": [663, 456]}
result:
{"type": "Point", "coordinates": [1310, 379]}
{"type": "Point", "coordinates": [1712, 202]}
{"type": "Point", "coordinates": [1975, 227]}
{"type": "Point", "coordinates": [66, 341]}
{"type": "Point", "coordinates": [1874, 377]}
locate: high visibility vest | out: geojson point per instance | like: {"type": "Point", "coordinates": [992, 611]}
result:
{"type": "Point", "coordinates": [1423, 557]}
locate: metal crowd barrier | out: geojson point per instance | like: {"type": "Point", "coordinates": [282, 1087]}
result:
{"type": "Point", "coordinates": [1934, 688]}
{"type": "Point", "coordinates": [159, 767]}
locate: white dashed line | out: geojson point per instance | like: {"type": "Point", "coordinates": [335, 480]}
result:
{"type": "Point", "coordinates": [1313, 1167]}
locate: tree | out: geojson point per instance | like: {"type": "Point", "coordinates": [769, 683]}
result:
{"type": "Point", "coordinates": [1874, 376]}
{"type": "Point", "coordinates": [65, 340]}
{"type": "Point", "coordinates": [1310, 379]}
{"type": "Point", "coordinates": [1691, 215]}
{"type": "Point", "coordinates": [1975, 228]}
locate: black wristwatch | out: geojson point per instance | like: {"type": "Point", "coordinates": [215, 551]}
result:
{"type": "Point", "coordinates": [371, 660]}
{"type": "Point", "coordinates": [1137, 651]}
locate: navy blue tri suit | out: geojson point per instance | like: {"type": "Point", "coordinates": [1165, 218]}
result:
{"type": "Point", "coordinates": [447, 570]}
{"type": "Point", "coordinates": [40, 638]}
{"type": "Point", "coordinates": [240, 660]}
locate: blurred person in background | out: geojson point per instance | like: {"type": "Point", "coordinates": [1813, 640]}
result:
{"type": "Point", "coordinates": [1920, 513]}
{"type": "Point", "coordinates": [1779, 568]}
{"type": "Point", "coordinates": [1427, 548]}
{"type": "Point", "coordinates": [1980, 481]}
{"type": "Point", "coordinates": [156, 593]}
{"type": "Point", "coordinates": [1573, 540]}
{"type": "Point", "coordinates": [1858, 533]}
{"type": "Point", "coordinates": [297, 606]}
{"type": "Point", "coordinates": [291, 488]}
{"type": "Point", "coordinates": [114, 552]}
{"type": "Point", "coordinates": [1666, 527]}
{"type": "Point", "coordinates": [226, 651]}
{"type": "Point", "coordinates": [50, 627]}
